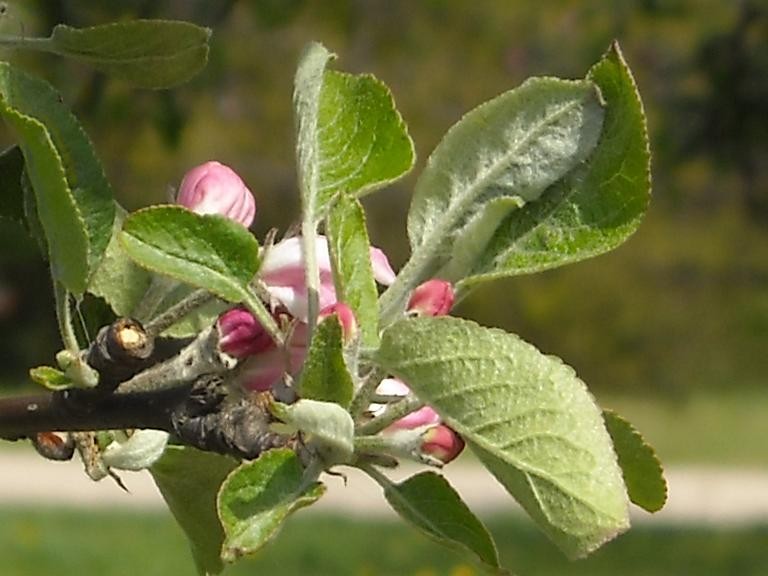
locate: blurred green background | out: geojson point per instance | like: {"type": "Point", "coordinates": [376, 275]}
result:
{"type": "Point", "coordinates": [671, 328]}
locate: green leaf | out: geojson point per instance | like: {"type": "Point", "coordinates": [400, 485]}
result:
{"type": "Point", "coordinates": [11, 190]}
{"type": "Point", "coordinates": [118, 280]}
{"type": "Point", "coordinates": [350, 138]}
{"type": "Point", "coordinates": [429, 502]}
{"type": "Point", "coordinates": [325, 376]}
{"type": "Point", "coordinates": [147, 53]}
{"type": "Point", "coordinates": [350, 254]}
{"type": "Point", "coordinates": [73, 198]}
{"type": "Point", "coordinates": [514, 146]}
{"type": "Point", "coordinates": [594, 208]}
{"type": "Point", "coordinates": [189, 481]}
{"type": "Point", "coordinates": [258, 496]}
{"type": "Point", "coordinates": [643, 473]}
{"type": "Point", "coordinates": [50, 377]}
{"type": "Point", "coordinates": [308, 84]}
{"type": "Point", "coordinates": [363, 142]}
{"type": "Point", "coordinates": [327, 427]}
{"type": "Point", "coordinates": [210, 252]}
{"type": "Point", "coordinates": [527, 416]}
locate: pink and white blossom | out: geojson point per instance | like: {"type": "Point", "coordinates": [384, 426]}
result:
{"type": "Point", "coordinates": [282, 271]}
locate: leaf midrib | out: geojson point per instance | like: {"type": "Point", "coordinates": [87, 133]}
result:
{"type": "Point", "coordinates": [431, 241]}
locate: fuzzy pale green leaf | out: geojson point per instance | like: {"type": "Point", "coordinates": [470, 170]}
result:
{"type": "Point", "coordinates": [147, 53]}
{"type": "Point", "coordinates": [595, 207]}
{"type": "Point", "coordinates": [527, 416]}
{"type": "Point", "coordinates": [514, 146]}
{"type": "Point", "coordinates": [429, 502]}
{"type": "Point", "coordinates": [643, 473]}
{"type": "Point", "coordinates": [325, 376]}
{"type": "Point", "coordinates": [72, 196]}
{"type": "Point", "coordinates": [210, 252]}
{"type": "Point", "coordinates": [308, 84]}
{"type": "Point", "coordinates": [189, 481]}
{"type": "Point", "coordinates": [258, 496]}
{"type": "Point", "coordinates": [326, 427]}
{"type": "Point", "coordinates": [350, 255]}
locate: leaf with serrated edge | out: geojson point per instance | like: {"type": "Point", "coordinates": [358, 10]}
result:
{"type": "Point", "coordinates": [514, 146]}
{"type": "Point", "coordinates": [73, 197]}
{"type": "Point", "coordinates": [350, 138]}
{"type": "Point", "coordinates": [349, 250]}
{"type": "Point", "coordinates": [208, 251]}
{"type": "Point", "coordinates": [363, 143]}
{"type": "Point", "coordinates": [593, 209]}
{"type": "Point", "coordinates": [189, 481]}
{"type": "Point", "coordinates": [643, 473]}
{"type": "Point", "coordinates": [429, 502]}
{"type": "Point", "coordinates": [527, 416]}
{"type": "Point", "coordinates": [325, 376]}
{"type": "Point", "coordinates": [258, 496]}
{"type": "Point", "coordinates": [147, 53]}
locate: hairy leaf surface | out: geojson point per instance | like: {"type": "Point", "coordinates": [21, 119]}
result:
{"type": "Point", "coordinates": [526, 415]}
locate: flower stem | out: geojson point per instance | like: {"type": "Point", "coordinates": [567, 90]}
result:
{"type": "Point", "coordinates": [392, 414]}
{"type": "Point", "coordinates": [366, 391]}
{"type": "Point", "coordinates": [312, 272]}
{"type": "Point", "coordinates": [176, 312]}
{"type": "Point", "coordinates": [64, 317]}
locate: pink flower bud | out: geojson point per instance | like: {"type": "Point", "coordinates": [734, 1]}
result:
{"type": "Point", "coordinates": [421, 417]}
{"type": "Point", "coordinates": [282, 270]}
{"type": "Point", "coordinates": [442, 443]}
{"type": "Point", "coordinates": [432, 298]}
{"type": "Point", "coordinates": [345, 317]}
{"type": "Point", "coordinates": [241, 334]}
{"type": "Point", "coordinates": [213, 188]}
{"type": "Point", "coordinates": [262, 371]}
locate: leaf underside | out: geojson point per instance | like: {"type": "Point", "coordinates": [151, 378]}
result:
{"type": "Point", "coordinates": [526, 415]}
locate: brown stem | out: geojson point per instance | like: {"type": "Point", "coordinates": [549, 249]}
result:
{"type": "Point", "coordinates": [68, 411]}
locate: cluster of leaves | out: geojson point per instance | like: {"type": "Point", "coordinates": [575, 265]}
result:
{"type": "Point", "coordinates": [547, 174]}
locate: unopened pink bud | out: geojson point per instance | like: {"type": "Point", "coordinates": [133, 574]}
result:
{"type": "Point", "coordinates": [241, 334]}
{"type": "Point", "coordinates": [213, 188]}
{"type": "Point", "coordinates": [346, 318]}
{"type": "Point", "coordinates": [442, 442]}
{"type": "Point", "coordinates": [432, 298]}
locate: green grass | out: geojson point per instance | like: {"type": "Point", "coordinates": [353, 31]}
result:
{"type": "Point", "coordinates": [41, 543]}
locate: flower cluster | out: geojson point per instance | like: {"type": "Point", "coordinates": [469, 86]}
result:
{"type": "Point", "coordinates": [213, 188]}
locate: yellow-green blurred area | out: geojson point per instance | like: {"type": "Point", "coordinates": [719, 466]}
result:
{"type": "Point", "coordinates": [675, 318]}
{"type": "Point", "coordinates": [41, 543]}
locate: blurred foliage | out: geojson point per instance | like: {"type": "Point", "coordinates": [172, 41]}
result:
{"type": "Point", "coordinates": [683, 306]}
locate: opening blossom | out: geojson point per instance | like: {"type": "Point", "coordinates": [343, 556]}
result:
{"type": "Point", "coordinates": [283, 273]}
{"type": "Point", "coordinates": [213, 188]}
